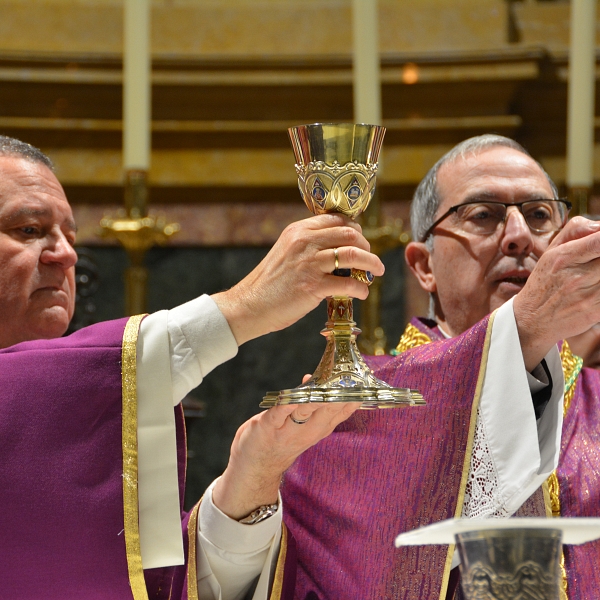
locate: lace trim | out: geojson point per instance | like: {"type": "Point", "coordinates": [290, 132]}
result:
{"type": "Point", "coordinates": [482, 497]}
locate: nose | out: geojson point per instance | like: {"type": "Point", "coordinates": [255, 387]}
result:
{"type": "Point", "coordinates": [517, 238]}
{"type": "Point", "coordinates": [59, 251]}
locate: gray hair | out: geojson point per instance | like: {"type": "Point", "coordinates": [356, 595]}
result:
{"type": "Point", "coordinates": [14, 147]}
{"type": "Point", "coordinates": [426, 199]}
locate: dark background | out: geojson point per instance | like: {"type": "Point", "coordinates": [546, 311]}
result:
{"type": "Point", "coordinates": [233, 391]}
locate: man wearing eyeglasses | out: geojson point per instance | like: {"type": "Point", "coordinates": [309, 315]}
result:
{"type": "Point", "coordinates": [491, 236]}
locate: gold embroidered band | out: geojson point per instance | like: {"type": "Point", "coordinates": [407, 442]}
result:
{"type": "Point", "coordinates": [130, 459]}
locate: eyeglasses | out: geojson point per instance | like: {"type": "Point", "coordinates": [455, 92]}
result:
{"type": "Point", "coordinates": [483, 218]}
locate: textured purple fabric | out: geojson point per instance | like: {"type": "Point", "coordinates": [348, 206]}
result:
{"type": "Point", "coordinates": [61, 526]}
{"type": "Point", "coordinates": [61, 465]}
{"type": "Point", "coordinates": [382, 473]}
{"type": "Point", "coordinates": [579, 480]}
{"type": "Point", "coordinates": [290, 569]}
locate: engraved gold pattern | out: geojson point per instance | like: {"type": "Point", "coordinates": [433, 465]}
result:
{"type": "Point", "coordinates": [346, 188]}
{"type": "Point", "coordinates": [192, 580]}
{"type": "Point", "coordinates": [411, 338]}
{"type": "Point", "coordinates": [469, 448]}
{"type": "Point", "coordinates": [280, 569]}
{"type": "Point", "coordinates": [572, 366]}
{"type": "Point", "coordinates": [130, 459]}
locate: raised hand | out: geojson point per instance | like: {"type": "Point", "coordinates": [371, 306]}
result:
{"type": "Point", "coordinates": [265, 446]}
{"type": "Point", "coordinates": [296, 275]}
{"type": "Point", "coordinates": [562, 295]}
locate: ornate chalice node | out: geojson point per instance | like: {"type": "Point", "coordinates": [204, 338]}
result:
{"type": "Point", "coordinates": [510, 563]}
{"type": "Point", "coordinates": [336, 167]}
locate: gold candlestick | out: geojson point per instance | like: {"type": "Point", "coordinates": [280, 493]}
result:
{"type": "Point", "coordinates": [137, 232]}
{"type": "Point", "coordinates": [336, 166]}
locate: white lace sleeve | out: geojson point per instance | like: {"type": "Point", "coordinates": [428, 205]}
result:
{"type": "Point", "coordinates": [482, 497]}
{"type": "Point", "coordinates": [512, 453]}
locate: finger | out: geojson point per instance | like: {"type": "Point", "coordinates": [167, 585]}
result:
{"type": "Point", "coordinates": [306, 378]}
{"type": "Point", "coordinates": [303, 412]}
{"type": "Point", "coordinates": [330, 220]}
{"type": "Point", "coordinates": [583, 251]}
{"type": "Point", "coordinates": [349, 257]}
{"type": "Point", "coordinates": [323, 420]}
{"type": "Point", "coordinates": [332, 285]}
{"type": "Point", "coordinates": [336, 237]}
{"type": "Point", "coordinates": [277, 416]}
{"type": "Point", "coordinates": [576, 228]}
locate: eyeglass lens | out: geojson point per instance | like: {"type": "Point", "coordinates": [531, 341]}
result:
{"type": "Point", "coordinates": [483, 218]}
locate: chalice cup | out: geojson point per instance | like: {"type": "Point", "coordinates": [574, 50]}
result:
{"type": "Point", "coordinates": [336, 166]}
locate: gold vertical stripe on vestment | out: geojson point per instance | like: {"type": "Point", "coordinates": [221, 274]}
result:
{"type": "Point", "coordinates": [130, 458]}
{"type": "Point", "coordinates": [571, 365]}
{"type": "Point", "coordinates": [192, 569]}
{"type": "Point", "coordinates": [280, 569]}
{"type": "Point", "coordinates": [469, 448]}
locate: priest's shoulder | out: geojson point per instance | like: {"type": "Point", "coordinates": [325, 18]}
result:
{"type": "Point", "coordinates": [107, 334]}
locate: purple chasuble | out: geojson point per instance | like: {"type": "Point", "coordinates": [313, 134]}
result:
{"type": "Point", "coordinates": [578, 476]}
{"type": "Point", "coordinates": [384, 472]}
{"type": "Point", "coordinates": [61, 461]}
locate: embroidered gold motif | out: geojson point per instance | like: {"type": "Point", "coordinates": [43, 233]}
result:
{"type": "Point", "coordinates": [411, 338]}
{"type": "Point", "coordinates": [572, 366]}
{"type": "Point", "coordinates": [554, 489]}
{"type": "Point", "coordinates": [130, 459]}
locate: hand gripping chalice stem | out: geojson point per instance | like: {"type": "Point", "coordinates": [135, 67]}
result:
{"type": "Point", "coordinates": [336, 166]}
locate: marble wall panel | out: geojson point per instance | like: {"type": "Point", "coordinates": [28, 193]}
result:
{"type": "Point", "coordinates": [224, 224]}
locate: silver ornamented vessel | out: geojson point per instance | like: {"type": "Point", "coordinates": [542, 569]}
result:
{"type": "Point", "coordinates": [510, 564]}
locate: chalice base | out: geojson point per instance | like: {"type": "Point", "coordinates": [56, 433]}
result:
{"type": "Point", "coordinates": [342, 374]}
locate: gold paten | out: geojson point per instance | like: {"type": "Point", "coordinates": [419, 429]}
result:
{"type": "Point", "coordinates": [336, 166]}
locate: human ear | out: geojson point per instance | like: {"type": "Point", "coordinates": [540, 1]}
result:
{"type": "Point", "coordinates": [418, 259]}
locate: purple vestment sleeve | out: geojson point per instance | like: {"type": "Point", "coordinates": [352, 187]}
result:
{"type": "Point", "coordinates": [385, 472]}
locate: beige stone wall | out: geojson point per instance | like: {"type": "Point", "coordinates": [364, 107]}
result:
{"type": "Point", "coordinates": [546, 24]}
{"type": "Point", "coordinates": [244, 28]}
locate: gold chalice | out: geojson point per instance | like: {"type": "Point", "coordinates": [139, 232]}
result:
{"type": "Point", "coordinates": [336, 166]}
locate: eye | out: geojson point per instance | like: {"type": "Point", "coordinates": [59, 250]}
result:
{"type": "Point", "coordinates": [539, 212]}
{"type": "Point", "coordinates": [30, 231]}
{"type": "Point", "coordinates": [481, 212]}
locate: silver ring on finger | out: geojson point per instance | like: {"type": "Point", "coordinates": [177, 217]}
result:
{"type": "Point", "coordinates": [299, 421]}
